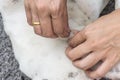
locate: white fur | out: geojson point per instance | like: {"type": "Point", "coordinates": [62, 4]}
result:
{"type": "Point", "coordinates": [117, 4]}
{"type": "Point", "coordinates": [42, 58]}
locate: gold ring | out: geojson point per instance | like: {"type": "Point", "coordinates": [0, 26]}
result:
{"type": "Point", "coordinates": [36, 23]}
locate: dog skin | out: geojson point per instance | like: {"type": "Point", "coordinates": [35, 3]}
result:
{"type": "Point", "coordinates": [42, 58]}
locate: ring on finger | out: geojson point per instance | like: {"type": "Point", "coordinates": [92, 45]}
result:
{"type": "Point", "coordinates": [36, 23]}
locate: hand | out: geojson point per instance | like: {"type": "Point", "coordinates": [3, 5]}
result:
{"type": "Point", "coordinates": [52, 16]}
{"type": "Point", "coordinates": [98, 42]}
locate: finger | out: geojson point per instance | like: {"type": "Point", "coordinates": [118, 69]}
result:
{"type": "Point", "coordinates": [60, 23]}
{"type": "Point", "coordinates": [91, 60]}
{"type": "Point", "coordinates": [28, 13]}
{"type": "Point", "coordinates": [77, 39]}
{"type": "Point", "coordinates": [35, 18]}
{"type": "Point", "coordinates": [104, 68]}
{"type": "Point", "coordinates": [80, 51]}
{"type": "Point", "coordinates": [47, 29]}
{"type": "Point", "coordinates": [46, 24]}
{"type": "Point", "coordinates": [68, 49]}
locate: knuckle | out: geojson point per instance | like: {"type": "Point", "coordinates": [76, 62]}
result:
{"type": "Point", "coordinates": [56, 13]}
{"type": "Point", "coordinates": [54, 9]}
{"type": "Point", "coordinates": [86, 32]}
{"type": "Point", "coordinates": [94, 44]}
{"type": "Point", "coordinates": [41, 7]}
{"type": "Point", "coordinates": [97, 43]}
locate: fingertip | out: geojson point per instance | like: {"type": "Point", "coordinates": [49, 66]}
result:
{"type": "Point", "coordinates": [65, 35]}
{"type": "Point", "coordinates": [71, 43]}
{"type": "Point", "coordinates": [67, 49]}
{"type": "Point", "coordinates": [50, 35]}
{"type": "Point", "coordinates": [37, 29]}
{"type": "Point", "coordinates": [54, 36]}
{"type": "Point", "coordinates": [30, 22]}
{"type": "Point", "coordinates": [88, 73]}
{"type": "Point", "coordinates": [94, 74]}
{"type": "Point", "coordinates": [67, 32]}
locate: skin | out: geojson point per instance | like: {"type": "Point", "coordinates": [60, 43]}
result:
{"type": "Point", "coordinates": [99, 41]}
{"type": "Point", "coordinates": [52, 15]}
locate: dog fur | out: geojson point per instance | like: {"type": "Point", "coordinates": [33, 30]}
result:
{"type": "Point", "coordinates": [42, 58]}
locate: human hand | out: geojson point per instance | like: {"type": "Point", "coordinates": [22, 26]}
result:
{"type": "Point", "coordinates": [99, 41]}
{"type": "Point", "coordinates": [50, 14]}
